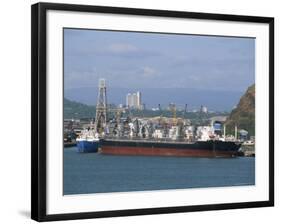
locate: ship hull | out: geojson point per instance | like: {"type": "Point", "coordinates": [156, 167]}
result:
{"type": "Point", "coordinates": [197, 149]}
{"type": "Point", "coordinates": [87, 146]}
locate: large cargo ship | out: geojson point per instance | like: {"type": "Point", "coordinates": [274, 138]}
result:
{"type": "Point", "coordinates": [210, 148]}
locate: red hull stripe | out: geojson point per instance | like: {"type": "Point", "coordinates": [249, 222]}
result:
{"type": "Point", "coordinates": [126, 150]}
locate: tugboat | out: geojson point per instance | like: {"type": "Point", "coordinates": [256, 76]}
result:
{"type": "Point", "coordinates": [88, 141]}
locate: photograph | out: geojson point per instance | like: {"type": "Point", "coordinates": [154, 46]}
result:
{"type": "Point", "coordinates": [140, 111]}
{"type": "Point", "coordinates": [154, 111]}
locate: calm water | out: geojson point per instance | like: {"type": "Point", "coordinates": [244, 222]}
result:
{"type": "Point", "coordinates": [96, 173]}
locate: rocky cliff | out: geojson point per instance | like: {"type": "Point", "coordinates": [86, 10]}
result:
{"type": "Point", "coordinates": [244, 114]}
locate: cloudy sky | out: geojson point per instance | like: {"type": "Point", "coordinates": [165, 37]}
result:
{"type": "Point", "coordinates": [138, 60]}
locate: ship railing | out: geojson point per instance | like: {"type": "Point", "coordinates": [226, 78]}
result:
{"type": "Point", "coordinates": [146, 139]}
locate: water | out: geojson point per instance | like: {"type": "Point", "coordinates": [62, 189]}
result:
{"type": "Point", "coordinates": [96, 173]}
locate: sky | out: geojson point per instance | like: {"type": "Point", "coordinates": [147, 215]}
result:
{"type": "Point", "coordinates": [166, 60]}
{"type": "Point", "coordinates": [151, 60]}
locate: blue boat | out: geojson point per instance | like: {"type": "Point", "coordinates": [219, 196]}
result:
{"type": "Point", "coordinates": [87, 142]}
{"type": "Point", "coordinates": [87, 146]}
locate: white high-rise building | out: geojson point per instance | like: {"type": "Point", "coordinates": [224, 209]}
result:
{"type": "Point", "coordinates": [139, 99]}
{"type": "Point", "coordinates": [133, 100]}
{"type": "Point", "coordinates": [128, 100]}
{"type": "Point", "coordinates": [204, 109]}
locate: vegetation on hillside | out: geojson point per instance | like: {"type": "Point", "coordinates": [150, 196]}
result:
{"type": "Point", "coordinates": [244, 114]}
{"type": "Point", "coordinates": [75, 110]}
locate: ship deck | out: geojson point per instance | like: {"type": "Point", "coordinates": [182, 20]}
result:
{"type": "Point", "coordinates": [166, 140]}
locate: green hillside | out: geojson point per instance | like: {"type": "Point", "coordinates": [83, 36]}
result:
{"type": "Point", "coordinates": [244, 115]}
{"type": "Point", "coordinates": [75, 110]}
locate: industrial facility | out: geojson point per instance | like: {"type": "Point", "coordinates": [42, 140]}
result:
{"type": "Point", "coordinates": [122, 125]}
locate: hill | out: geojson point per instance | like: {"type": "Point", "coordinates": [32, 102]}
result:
{"type": "Point", "coordinates": [73, 109]}
{"type": "Point", "coordinates": [244, 114]}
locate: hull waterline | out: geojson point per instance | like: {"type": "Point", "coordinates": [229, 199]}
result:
{"type": "Point", "coordinates": [197, 149]}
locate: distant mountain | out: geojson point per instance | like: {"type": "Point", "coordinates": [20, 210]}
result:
{"type": "Point", "coordinates": [73, 110]}
{"type": "Point", "coordinates": [244, 115]}
{"type": "Point", "coordinates": [217, 100]}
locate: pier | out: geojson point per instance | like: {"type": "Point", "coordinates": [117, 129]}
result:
{"type": "Point", "coordinates": [248, 150]}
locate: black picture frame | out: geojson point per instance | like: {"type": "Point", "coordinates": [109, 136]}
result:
{"type": "Point", "coordinates": [39, 114]}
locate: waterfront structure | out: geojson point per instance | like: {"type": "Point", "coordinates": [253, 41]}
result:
{"type": "Point", "coordinates": [133, 100]}
{"type": "Point", "coordinates": [101, 108]}
{"type": "Point", "coordinates": [88, 140]}
{"type": "Point", "coordinates": [153, 136]}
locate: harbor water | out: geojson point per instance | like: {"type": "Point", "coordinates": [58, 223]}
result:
{"type": "Point", "coordinates": [85, 173]}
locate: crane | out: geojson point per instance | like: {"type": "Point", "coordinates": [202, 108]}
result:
{"type": "Point", "coordinates": [173, 109]}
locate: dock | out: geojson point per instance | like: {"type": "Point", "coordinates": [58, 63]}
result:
{"type": "Point", "coordinates": [248, 150]}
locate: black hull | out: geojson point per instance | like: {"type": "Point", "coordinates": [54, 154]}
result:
{"type": "Point", "coordinates": [196, 149]}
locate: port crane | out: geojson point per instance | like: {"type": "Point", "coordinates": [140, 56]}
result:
{"type": "Point", "coordinates": [101, 108]}
{"type": "Point", "coordinates": [173, 110]}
